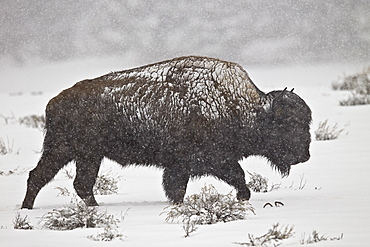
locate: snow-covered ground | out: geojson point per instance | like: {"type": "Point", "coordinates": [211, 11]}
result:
{"type": "Point", "coordinates": [333, 200]}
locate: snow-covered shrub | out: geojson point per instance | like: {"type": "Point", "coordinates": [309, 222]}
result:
{"type": "Point", "coordinates": [108, 234]}
{"type": "Point", "coordinates": [359, 85]}
{"type": "Point", "coordinates": [209, 207]}
{"type": "Point", "coordinates": [15, 171]}
{"type": "Point", "coordinates": [6, 148]}
{"type": "Point", "coordinates": [77, 215]}
{"type": "Point", "coordinates": [326, 132]}
{"type": "Point", "coordinates": [7, 119]}
{"type": "Point", "coordinates": [36, 93]}
{"type": "Point", "coordinates": [106, 184]}
{"type": "Point", "coordinates": [63, 191]}
{"type": "Point", "coordinates": [315, 238]}
{"type": "Point", "coordinates": [189, 227]}
{"type": "Point", "coordinates": [21, 222]}
{"type": "Point", "coordinates": [33, 121]}
{"type": "Point", "coordinates": [69, 172]}
{"type": "Point", "coordinates": [356, 99]}
{"type": "Point", "coordinates": [258, 183]}
{"type": "Point", "coordinates": [359, 82]}
{"type": "Point", "coordinates": [300, 185]}
{"type": "Point", "coordinates": [273, 237]}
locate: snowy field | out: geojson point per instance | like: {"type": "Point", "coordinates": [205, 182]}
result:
{"type": "Point", "coordinates": [327, 194]}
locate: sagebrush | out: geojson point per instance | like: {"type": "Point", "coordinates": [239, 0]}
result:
{"type": "Point", "coordinates": [359, 86]}
{"type": "Point", "coordinates": [33, 121]}
{"type": "Point", "coordinates": [6, 147]}
{"type": "Point", "coordinates": [7, 119]}
{"type": "Point", "coordinates": [274, 236]}
{"type": "Point", "coordinates": [359, 82]}
{"type": "Point", "coordinates": [15, 171]}
{"type": "Point", "coordinates": [69, 172]}
{"type": "Point", "coordinates": [21, 222]}
{"type": "Point", "coordinates": [301, 185]}
{"type": "Point", "coordinates": [315, 237]}
{"type": "Point", "coordinates": [109, 234]}
{"type": "Point", "coordinates": [63, 191]}
{"type": "Point", "coordinates": [77, 215]}
{"type": "Point", "coordinates": [189, 227]}
{"type": "Point", "coordinates": [209, 207]}
{"type": "Point", "coordinates": [106, 184]}
{"type": "Point", "coordinates": [258, 183]}
{"type": "Point", "coordinates": [356, 99]}
{"type": "Point", "coordinates": [326, 132]}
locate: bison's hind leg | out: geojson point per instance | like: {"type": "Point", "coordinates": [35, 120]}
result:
{"type": "Point", "coordinates": [54, 157]}
{"type": "Point", "coordinates": [87, 168]}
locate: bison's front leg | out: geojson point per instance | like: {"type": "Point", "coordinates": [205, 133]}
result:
{"type": "Point", "coordinates": [87, 168]}
{"type": "Point", "coordinates": [175, 182]}
{"type": "Point", "coordinates": [234, 175]}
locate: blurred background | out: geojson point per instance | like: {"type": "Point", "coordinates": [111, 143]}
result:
{"type": "Point", "coordinates": [249, 32]}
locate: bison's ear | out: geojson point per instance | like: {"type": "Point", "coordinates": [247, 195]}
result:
{"type": "Point", "coordinates": [279, 102]}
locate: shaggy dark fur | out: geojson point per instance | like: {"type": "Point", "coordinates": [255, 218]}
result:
{"type": "Point", "coordinates": [191, 116]}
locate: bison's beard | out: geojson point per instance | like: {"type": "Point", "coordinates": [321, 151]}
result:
{"type": "Point", "coordinates": [283, 169]}
{"type": "Point", "coordinates": [283, 162]}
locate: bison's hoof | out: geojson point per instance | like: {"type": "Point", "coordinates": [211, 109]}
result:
{"type": "Point", "coordinates": [27, 205]}
{"type": "Point", "coordinates": [243, 196]}
{"type": "Point", "coordinates": [90, 201]}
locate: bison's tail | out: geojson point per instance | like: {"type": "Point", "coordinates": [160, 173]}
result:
{"type": "Point", "coordinates": [57, 131]}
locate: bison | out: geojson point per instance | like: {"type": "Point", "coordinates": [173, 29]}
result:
{"type": "Point", "coordinates": [191, 116]}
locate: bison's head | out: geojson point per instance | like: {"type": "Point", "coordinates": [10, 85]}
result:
{"type": "Point", "coordinates": [285, 130]}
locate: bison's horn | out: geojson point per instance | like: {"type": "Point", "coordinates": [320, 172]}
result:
{"type": "Point", "coordinates": [282, 93]}
{"type": "Point", "coordinates": [292, 90]}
